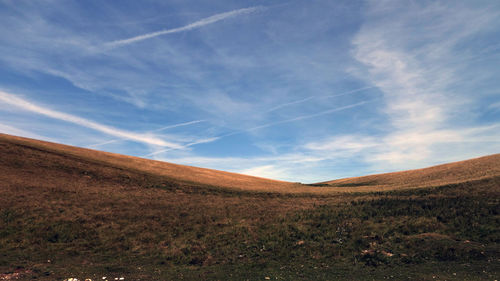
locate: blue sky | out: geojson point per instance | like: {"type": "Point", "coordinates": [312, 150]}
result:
{"type": "Point", "coordinates": [294, 90]}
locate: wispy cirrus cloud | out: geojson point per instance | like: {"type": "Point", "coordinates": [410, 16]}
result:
{"type": "Point", "coordinates": [407, 149]}
{"type": "Point", "coordinates": [200, 141]}
{"type": "Point", "coordinates": [283, 105]}
{"type": "Point", "coordinates": [26, 105]}
{"type": "Point", "coordinates": [414, 57]}
{"type": "Point", "coordinates": [309, 116]}
{"type": "Point", "coordinates": [266, 171]}
{"type": "Point", "coordinates": [152, 131]}
{"type": "Point", "coordinates": [352, 143]}
{"type": "Point", "coordinates": [11, 130]}
{"type": "Point", "coordinates": [271, 82]}
{"type": "Point", "coordinates": [298, 118]}
{"type": "Point", "coordinates": [194, 25]}
{"type": "Point", "coordinates": [290, 166]}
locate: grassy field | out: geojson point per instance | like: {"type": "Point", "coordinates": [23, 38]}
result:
{"type": "Point", "coordinates": [68, 212]}
{"type": "Point", "coordinates": [456, 172]}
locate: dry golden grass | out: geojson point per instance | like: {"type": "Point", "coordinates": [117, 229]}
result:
{"type": "Point", "coordinates": [174, 171]}
{"type": "Point", "coordinates": [474, 169]}
{"type": "Point", "coordinates": [71, 208]}
{"type": "Point", "coordinates": [451, 173]}
{"type": "Point", "coordinates": [92, 212]}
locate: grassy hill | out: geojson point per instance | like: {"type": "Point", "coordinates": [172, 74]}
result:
{"type": "Point", "coordinates": [175, 173]}
{"type": "Point", "coordinates": [72, 212]}
{"type": "Point", "coordinates": [462, 171]}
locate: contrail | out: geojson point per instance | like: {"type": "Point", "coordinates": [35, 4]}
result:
{"type": "Point", "coordinates": [186, 145]}
{"type": "Point", "coordinates": [317, 97]}
{"type": "Point", "coordinates": [307, 116]}
{"type": "Point", "coordinates": [289, 103]}
{"type": "Point", "coordinates": [178, 125]}
{"type": "Point", "coordinates": [157, 130]}
{"type": "Point", "coordinates": [347, 93]}
{"type": "Point", "coordinates": [303, 117]}
{"type": "Point", "coordinates": [28, 106]}
{"type": "Point", "coordinates": [196, 24]}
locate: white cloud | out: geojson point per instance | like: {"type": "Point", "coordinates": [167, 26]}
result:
{"type": "Point", "coordinates": [223, 106]}
{"type": "Point", "coordinates": [157, 130]}
{"type": "Point", "coordinates": [309, 116]}
{"type": "Point", "coordinates": [413, 146]}
{"type": "Point", "coordinates": [412, 52]}
{"type": "Point", "coordinates": [411, 57]}
{"type": "Point", "coordinates": [6, 129]}
{"type": "Point", "coordinates": [302, 166]}
{"type": "Point", "coordinates": [200, 141]}
{"type": "Point", "coordinates": [353, 143]}
{"type": "Point", "coordinates": [409, 149]}
{"type": "Point", "coordinates": [16, 101]}
{"type": "Point", "coordinates": [196, 24]}
{"type": "Point", "coordinates": [266, 171]}
{"type": "Point", "coordinates": [283, 105]}
{"type": "Point", "coordinates": [303, 117]}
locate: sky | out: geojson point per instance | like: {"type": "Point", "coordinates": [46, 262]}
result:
{"type": "Point", "coordinates": [303, 91]}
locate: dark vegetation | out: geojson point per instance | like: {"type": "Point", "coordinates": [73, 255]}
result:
{"type": "Point", "coordinates": [348, 184]}
{"type": "Point", "coordinates": [66, 217]}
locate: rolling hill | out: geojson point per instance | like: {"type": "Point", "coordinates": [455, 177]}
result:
{"type": "Point", "coordinates": [69, 155]}
{"type": "Point", "coordinates": [451, 173]}
{"type": "Point", "coordinates": [73, 212]}
{"type": "Point", "coordinates": [462, 171]}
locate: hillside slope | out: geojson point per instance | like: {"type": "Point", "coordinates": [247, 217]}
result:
{"type": "Point", "coordinates": [174, 172]}
{"type": "Point", "coordinates": [451, 173]}
{"type": "Point", "coordinates": [71, 212]}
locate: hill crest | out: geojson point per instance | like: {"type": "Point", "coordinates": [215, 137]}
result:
{"type": "Point", "coordinates": [451, 173]}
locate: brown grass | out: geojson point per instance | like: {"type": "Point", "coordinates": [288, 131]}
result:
{"type": "Point", "coordinates": [176, 172]}
{"type": "Point", "coordinates": [103, 206]}
{"type": "Point", "coordinates": [451, 173]}
{"type": "Point", "coordinates": [94, 212]}
{"type": "Point", "coordinates": [479, 168]}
